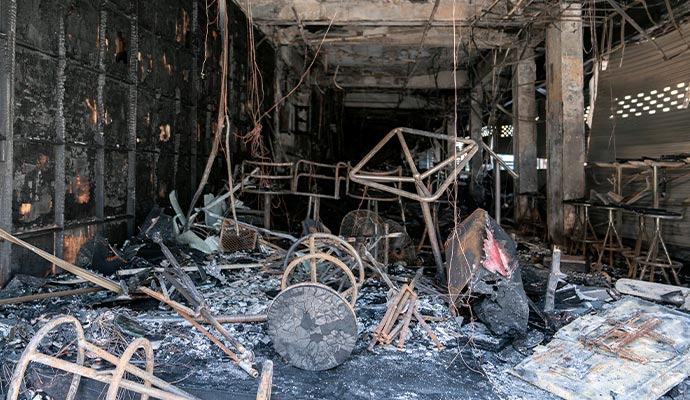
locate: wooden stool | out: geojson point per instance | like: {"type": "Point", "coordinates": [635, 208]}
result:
{"type": "Point", "coordinates": [612, 241]}
{"type": "Point", "coordinates": [584, 235]}
{"type": "Point", "coordinates": [653, 258]}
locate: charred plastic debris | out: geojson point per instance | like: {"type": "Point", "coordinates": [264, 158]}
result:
{"type": "Point", "coordinates": [367, 313]}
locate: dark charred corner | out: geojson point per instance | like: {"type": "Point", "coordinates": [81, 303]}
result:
{"type": "Point", "coordinates": [394, 199]}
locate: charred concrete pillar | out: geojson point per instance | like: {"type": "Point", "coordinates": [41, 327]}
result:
{"type": "Point", "coordinates": [525, 129]}
{"type": "Point", "coordinates": [8, 24]}
{"type": "Point", "coordinates": [565, 130]}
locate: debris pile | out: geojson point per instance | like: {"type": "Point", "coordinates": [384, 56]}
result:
{"type": "Point", "coordinates": [482, 260]}
{"type": "Point", "coordinates": [215, 298]}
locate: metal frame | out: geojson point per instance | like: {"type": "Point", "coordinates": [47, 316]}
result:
{"type": "Point", "coordinates": [584, 234]}
{"type": "Point", "coordinates": [622, 334]}
{"type": "Point", "coordinates": [497, 179]}
{"type": "Point", "coordinates": [652, 259]}
{"type": "Point", "coordinates": [175, 276]}
{"type": "Point", "coordinates": [250, 176]}
{"type": "Point", "coordinates": [313, 174]}
{"type": "Point", "coordinates": [315, 242]}
{"type": "Point", "coordinates": [365, 196]}
{"type": "Point", "coordinates": [612, 241]}
{"type": "Point", "coordinates": [152, 386]}
{"type": "Point", "coordinates": [423, 194]}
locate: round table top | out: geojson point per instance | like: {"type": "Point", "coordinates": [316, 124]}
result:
{"type": "Point", "coordinates": [312, 326]}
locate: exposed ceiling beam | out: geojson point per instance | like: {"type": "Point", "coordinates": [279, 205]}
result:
{"type": "Point", "coordinates": [363, 11]}
{"type": "Point", "coordinates": [442, 80]}
{"type": "Point", "coordinates": [389, 101]}
{"type": "Point", "coordinates": [436, 37]}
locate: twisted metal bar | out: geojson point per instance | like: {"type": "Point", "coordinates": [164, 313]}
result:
{"type": "Point", "coordinates": [30, 353]}
{"type": "Point", "coordinates": [163, 390]}
{"type": "Point", "coordinates": [121, 368]}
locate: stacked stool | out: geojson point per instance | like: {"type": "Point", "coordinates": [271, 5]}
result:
{"type": "Point", "coordinates": [583, 237]}
{"type": "Point", "coordinates": [657, 258]}
{"type": "Point", "coordinates": [612, 242]}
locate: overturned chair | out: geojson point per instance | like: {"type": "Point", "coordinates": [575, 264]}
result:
{"type": "Point", "coordinates": [445, 173]}
{"type": "Point", "coordinates": [115, 378]}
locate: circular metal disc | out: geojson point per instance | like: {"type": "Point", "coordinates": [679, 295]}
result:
{"type": "Point", "coordinates": [312, 327]}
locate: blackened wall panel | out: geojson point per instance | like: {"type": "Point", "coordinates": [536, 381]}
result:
{"type": "Point", "coordinates": [156, 125]}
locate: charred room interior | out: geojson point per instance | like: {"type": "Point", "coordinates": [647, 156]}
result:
{"type": "Point", "coordinates": [344, 199]}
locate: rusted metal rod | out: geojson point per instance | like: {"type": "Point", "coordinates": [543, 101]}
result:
{"type": "Point", "coordinates": [61, 293]}
{"type": "Point", "coordinates": [637, 27]}
{"type": "Point", "coordinates": [81, 272]}
{"type": "Point", "coordinates": [179, 279]}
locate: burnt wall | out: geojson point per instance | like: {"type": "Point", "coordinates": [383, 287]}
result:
{"type": "Point", "coordinates": [110, 106]}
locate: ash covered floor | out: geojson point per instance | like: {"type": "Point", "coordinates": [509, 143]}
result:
{"type": "Point", "coordinates": [473, 365]}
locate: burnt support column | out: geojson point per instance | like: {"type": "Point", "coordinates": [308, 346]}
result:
{"type": "Point", "coordinates": [8, 24]}
{"type": "Point", "coordinates": [132, 126]}
{"type": "Point", "coordinates": [100, 106]}
{"type": "Point", "coordinates": [565, 130]}
{"type": "Point", "coordinates": [59, 198]}
{"type": "Point", "coordinates": [278, 94]}
{"type": "Point", "coordinates": [476, 125]}
{"type": "Point", "coordinates": [194, 134]}
{"type": "Point", "coordinates": [525, 129]}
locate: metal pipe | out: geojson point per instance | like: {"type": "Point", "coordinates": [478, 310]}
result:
{"type": "Point", "coordinates": [637, 27]}
{"type": "Point", "coordinates": [496, 157]}
{"type": "Point", "coordinates": [428, 220]}
{"type": "Point", "coordinates": [105, 378]}
{"type": "Point", "coordinates": [33, 297]}
{"type": "Point", "coordinates": [655, 185]}
{"type": "Point", "coordinates": [264, 391]}
{"type": "Point", "coordinates": [267, 211]}
{"type": "Point", "coordinates": [497, 193]}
